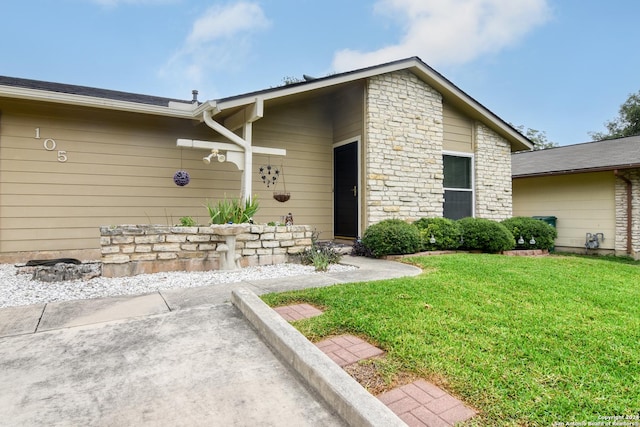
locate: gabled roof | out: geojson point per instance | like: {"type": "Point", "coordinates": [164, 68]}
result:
{"type": "Point", "coordinates": [102, 98]}
{"type": "Point", "coordinates": [622, 153]}
{"type": "Point", "coordinates": [450, 92]}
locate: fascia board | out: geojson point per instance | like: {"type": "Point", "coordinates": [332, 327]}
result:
{"type": "Point", "coordinates": [314, 85]}
{"type": "Point", "coordinates": [88, 101]}
{"type": "Point", "coordinates": [576, 171]}
{"type": "Point", "coordinates": [425, 73]}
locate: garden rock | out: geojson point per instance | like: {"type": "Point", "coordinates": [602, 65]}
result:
{"type": "Point", "coordinates": [62, 271]}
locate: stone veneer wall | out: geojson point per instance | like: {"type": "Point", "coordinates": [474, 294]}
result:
{"type": "Point", "coordinates": [621, 214]}
{"type": "Point", "coordinates": [405, 133]}
{"type": "Point", "coordinates": [128, 250]}
{"type": "Point", "coordinates": [492, 175]}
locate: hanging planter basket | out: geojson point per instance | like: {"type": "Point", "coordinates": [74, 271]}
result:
{"type": "Point", "coordinates": [281, 196]}
{"type": "Point", "coordinates": [270, 175]}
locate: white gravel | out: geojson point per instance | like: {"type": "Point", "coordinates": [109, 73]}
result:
{"type": "Point", "coordinates": [19, 289]}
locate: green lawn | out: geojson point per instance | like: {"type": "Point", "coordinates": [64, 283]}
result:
{"type": "Point", "coordinates": [527, 341]}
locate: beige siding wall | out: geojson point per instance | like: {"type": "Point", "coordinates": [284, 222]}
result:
{"type": "Point", "coordinates": [347, 107]}
{"type": "Point", "coordinates": [583, 203]}
{"type": "Point", "coordinates": [306, 132]}
{"type": "Point", "coordinates": [458, 130]}
{"type": "Point", "coordinates": [120, 171]}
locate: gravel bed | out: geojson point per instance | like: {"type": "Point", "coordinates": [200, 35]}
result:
{"type": "Point", "coordinates": [19, 289]}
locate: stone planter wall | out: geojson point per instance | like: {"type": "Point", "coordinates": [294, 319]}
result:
{"type": "Point", "coordinates": [128, 250]}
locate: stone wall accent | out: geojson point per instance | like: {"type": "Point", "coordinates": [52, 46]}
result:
{"type": "Point", "coordinates": [492, 175]}
{"type": "Point", "coordinates": [128, 250]}
{"type": "Point", "coordinates": [404, 125]}
{"type": "Point", "coordinates": [621, 214]}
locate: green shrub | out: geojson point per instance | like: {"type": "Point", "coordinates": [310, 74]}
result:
{"type": "Point", "coordinates": [392, 237]}
{"type": "Point", "coordinates": [485, 235]}
{"type": "Point", "coordinates": [446, 233]}
{"type": "Point", "coordinates": [528, 228]}
{"type": "Point", "coordinates": [232, 211]}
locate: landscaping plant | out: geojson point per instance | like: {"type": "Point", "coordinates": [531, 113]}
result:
{"type": "Point", "coordinates": [542, 233]}
{"type": "Point", "coordinates": [187, 221]}
{"type": "Point", "coordinates": [446, 232]}
{"type": "Point", "coordinates": [232, 211]}
{"type": "Point", "coordinates": [392, 237]}
{"type": "Point", "coordinates": [320, 255]}
{"type": "Point", "coordinates": [359, 249]}
{"type": "Point", "coordinates": [484, 235]}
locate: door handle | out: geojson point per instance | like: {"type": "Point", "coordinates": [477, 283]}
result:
{"type": "Point", "coordinates": [355, 191]}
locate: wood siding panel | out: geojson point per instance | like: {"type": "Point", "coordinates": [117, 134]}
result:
{"type": "Point", "coordinates": [119, 170]}
{"type": "Point", "coordinates": [348, 107]}
{"type": "Point", "coordinates": [458, 130]}
{"type": "Point", "coordinates": [306, 132]}
{"type": "Point", "coordinates": [583, 203]}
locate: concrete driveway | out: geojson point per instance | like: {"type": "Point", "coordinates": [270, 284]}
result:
{"type": "Point", "coordinates": [178, 358]}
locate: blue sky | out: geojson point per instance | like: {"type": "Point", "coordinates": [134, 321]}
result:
{"type": "Point", "coordinates": [558, 66]}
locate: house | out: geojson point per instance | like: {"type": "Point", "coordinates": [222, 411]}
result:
{"type": "Point", "coordinates": [397, 140]}
{"type": "Point", "coordinates": [593, 189]}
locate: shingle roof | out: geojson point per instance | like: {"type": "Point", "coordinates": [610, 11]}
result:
{"type": "Point", "coordinates": [623, 153]}
{"type": "Point", "coordinates": [88, 91]}
{"type": "Point", "coordinates": [88, 96]}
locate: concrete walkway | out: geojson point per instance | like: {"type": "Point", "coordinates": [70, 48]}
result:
{"type": "Point", "coordinates": [180, 357]}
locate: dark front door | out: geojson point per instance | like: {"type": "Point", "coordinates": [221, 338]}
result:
{"type": "Point", "coordinates": [345, 187]}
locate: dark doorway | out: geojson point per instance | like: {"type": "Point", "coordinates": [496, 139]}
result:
{"type": "Point", "coordinates": [345, 187]}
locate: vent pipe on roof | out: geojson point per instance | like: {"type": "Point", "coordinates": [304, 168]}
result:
{"type": "Point", "coordinates": [195, 96]}
{"type": "Point", "coordinates": [629, 208]}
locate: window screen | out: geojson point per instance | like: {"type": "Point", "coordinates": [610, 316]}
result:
{"type": "Point", "coordinates": [458, 188]}
{"type": "Point", "coordinates": [457, 172]}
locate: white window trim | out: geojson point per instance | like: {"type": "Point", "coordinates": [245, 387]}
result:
{"type": "Point", "coordinates": [473, 178]}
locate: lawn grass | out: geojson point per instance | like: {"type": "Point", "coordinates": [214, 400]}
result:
{"type": "Point", "coordinates": [527, 341]}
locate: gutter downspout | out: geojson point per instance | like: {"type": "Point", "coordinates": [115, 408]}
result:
{"type": "Point", "coordinates": [629, 207]}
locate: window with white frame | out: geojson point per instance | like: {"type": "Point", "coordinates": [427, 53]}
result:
{"type": "Point", "coordinates": [458, 186]}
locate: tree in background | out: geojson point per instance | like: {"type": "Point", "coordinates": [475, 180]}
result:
{"type": "Point", "coordinates": [626, 124]}
{"type": "Point", "coordinates": [539, 138]}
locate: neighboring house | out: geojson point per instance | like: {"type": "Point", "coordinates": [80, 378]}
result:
{"type": "Point", "coordinates": [396, 140]}
{"type": "Point", "coordinates": [591, 188]}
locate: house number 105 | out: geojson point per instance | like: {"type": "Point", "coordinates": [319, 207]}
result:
{"type": "Point", "coordinates": [50, 145]}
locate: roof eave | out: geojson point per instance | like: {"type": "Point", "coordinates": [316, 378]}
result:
{"type": "Point", "coordinates": [448, 90]}
{"type": "Point", "coordinates": [577, 171]}
{"type": "Point", "coordinates": [184, 111]}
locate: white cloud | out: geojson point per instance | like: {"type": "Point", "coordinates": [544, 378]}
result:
{"type": "Point", "coordinates": [449, 32]}
{"type": "Point", "coordinates": [227, 22]}
{"type": "Point", "coordinates": [219, 39]}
